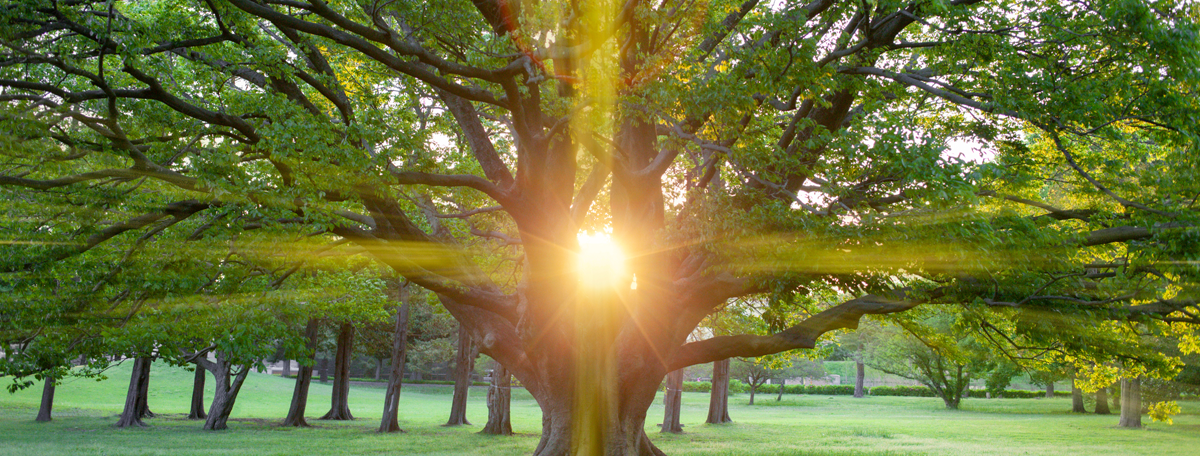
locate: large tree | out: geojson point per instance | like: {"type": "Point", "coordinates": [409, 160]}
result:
{"type": "Point", "coordinates": [791, 149]}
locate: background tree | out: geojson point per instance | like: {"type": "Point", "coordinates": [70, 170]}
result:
{"type": "Point", "coordinates": [499, 398]}
{"type": "Point", "coordinates": [933, 357]}
{"type": "Point", "coordinates": [464, 366]}
{"type": "Point", "coordinates": [401, 296]}
{"type": "Point", "coordinates": [753, 373]}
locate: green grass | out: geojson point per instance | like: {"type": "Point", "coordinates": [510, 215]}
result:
{"type": "Point", "coordinates": [799, 425]}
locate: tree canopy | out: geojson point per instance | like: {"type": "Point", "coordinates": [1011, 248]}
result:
{"type": "Point", "coordinates": [809, 156]}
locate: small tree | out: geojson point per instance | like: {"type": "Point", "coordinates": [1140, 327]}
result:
{"type": "Point", "coordinates": [752, 371]}
{"type": "Point", "coordinates": [933, 359]}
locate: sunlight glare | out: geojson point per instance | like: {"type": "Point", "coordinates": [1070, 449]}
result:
{"type": "Point", "coordinates": [600, 262]}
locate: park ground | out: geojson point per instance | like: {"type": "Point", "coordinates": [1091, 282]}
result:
{"type": "Point", "coordinates": [85, 411]}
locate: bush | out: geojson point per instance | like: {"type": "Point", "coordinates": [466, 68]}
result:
{"type": "Point", "coordinates": [441, 382]}
{"type": "Point", "coordinates": [906, 391]}
{"type": "Point", "coordinates": [737, 386]}
{"type": "Point", "coordinates": [829, 390]}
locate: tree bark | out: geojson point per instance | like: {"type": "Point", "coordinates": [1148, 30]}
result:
{"type": "Point", "coordinates": [464, 364]}
{"type": "Point", "coordinates": [129, 415]}
{"type": "Point", "coordinates": [623, 435]}
{"type": "Point", "coordinates": [498, 399]}
{"type": "Point", "coordinates": [227, 387]}
{"type": "Point", "coordinates": [1102, 402]}
{"type": "Point", "coordinates": [860, 375]}
{"type": "Point", "coordinates": [295, 416]}
{"type": "Point", "coordinates": [378, 368]}
{"type": "Point", "coordinates": [391, 401]}
{"type": "Point", "coordinates": [197, 409]}
{"type": "Point", "coordinates": [323, 366]}
{"type": "Point", "coordinates": [779, 397]}
{"type": "Point", "coordinates": [287, 368]}
{"type": "Point", "coordinates": [673, 402]}
{"type": "Point", "coordinates": [1131, 403]}
{"type": "Point", "coordinates": [753, 388]}
{"type": "Point", "coordinates": [143, 405]}
{"type": "Point", "coordinates": [47, 400]}
{"type": "Point", "coordinates": [1050, 390]}
{"type": "Point", "coordinates": [1076, 398]}
{"type": "Point", "coordinates": [339, 407]}
{"type": "Point", "coordinates": [718, 402]}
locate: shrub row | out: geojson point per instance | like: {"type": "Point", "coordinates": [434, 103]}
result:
{"type": "Point", "coordinates": [736, 386]}
{"type": "Point", "coordinates": [907, 391]}
{"type": "Point", "coordinates": [923, 391]}
{"type": "Point", "coordinates": [417, 382]}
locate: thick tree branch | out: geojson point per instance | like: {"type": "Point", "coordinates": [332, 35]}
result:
{"type": "Point", "coordinates": [803, 335]}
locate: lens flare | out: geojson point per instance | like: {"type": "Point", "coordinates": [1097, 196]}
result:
{"type": "Point", "coordinates": [600, 262]}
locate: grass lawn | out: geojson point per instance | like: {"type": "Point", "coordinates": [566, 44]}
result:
{"type": "Point", "coordinates": [800, 425]}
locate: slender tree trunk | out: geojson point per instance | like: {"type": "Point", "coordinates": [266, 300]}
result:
{"type": "Point", "coordinates": [1131, 403]}
{"type": "Point", "coordinates": [718, 403]}
{"type": "Point", "coordinates": [391, 401]}
{"type": "Point", "coordinates": [295, 416]}
{"type": "Point", "coordinates": [378, 368]}
{"type": "Point", "coordinates": [287, 368]}
{"type": "Point", "coordinates": [323, 366]}
{"type": "Point", "coordinates": [1116, 396]}
{"type": "Point", "coordinates": [227, 388]}
{"type": "Point", "coordinates": [673, 402]}
{"type": "Point", "coordinates": [339, 407]}
{"type": "Point", "coordinates": [860, 375]}
{"type": "Point", "coordinates": [197, 409]}
{"type": "Point", "coordinates": [129, 415]}
{"type": "Point", "coordinates": [1102, 402]}
{"type": "Point", "coordinates": [779, 397]}
{"type": "Point", "coordinates": [498, 399]}
{"type": "Point", "coordinates": [143, 406]}
{"type": "Point", "coordinates": [47, 400]}
{"type": "Point", "coordinates": [1050, 390]}
{"type": "Point", "coordinates": [753, 388]}
{"type": "Point", "coordinates": [1076, 398]}
{"type": "Point", "coordinates": [464, 364]}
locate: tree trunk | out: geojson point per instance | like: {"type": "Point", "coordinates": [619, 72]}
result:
{"type": "Point", "coordinates": [779, 397]}
{"type": "Point", "coordinates": [47, 400]}
{"type": "Point", "coordinates": [378, 367]}
{"type": "Point", "coordinates": [1116, 396]}
{"type": "Point", "coordinates": [129, 415]}
{"type": "Point", "coordinates": [623, 435]}
{"type": "Point", "coordinates": [323, 366]}
{"type": "Point", "coordinates": [143, 405]}
{"type": "Point", "coordinates": [1102, 402]}
{"type": "Point", "coordinates": [498, 399]}
{"type": "Point", "coordinates": [295, 416]}
{"type": "Point", "coordinates": [287, 368]}
{"type": "Point", "coordinates": [1131, 403]}
{"type": "Point", "coordinates": [860, 375]}
{"type": "Point", "coordinates": [673, 402]}
{"type": "Point", "coordinates": [197, 409]}
{"type": "Point", "coordinates": [753, 388]}
{"type": "Point", "coordinates": [1050, 390]}
{"type": "Point", "coordinates": [464, 364]}
{"type": "Point", "coordinates": [718, 402]}
{"type": "Point", "coordinates": [339, 407]}
{"type": "Point", "coordinates": [227, 388]}
{"type": "Point", "coordinates": [1076, 398]}
{"type": "Point", "coordinates": [391, 401]}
